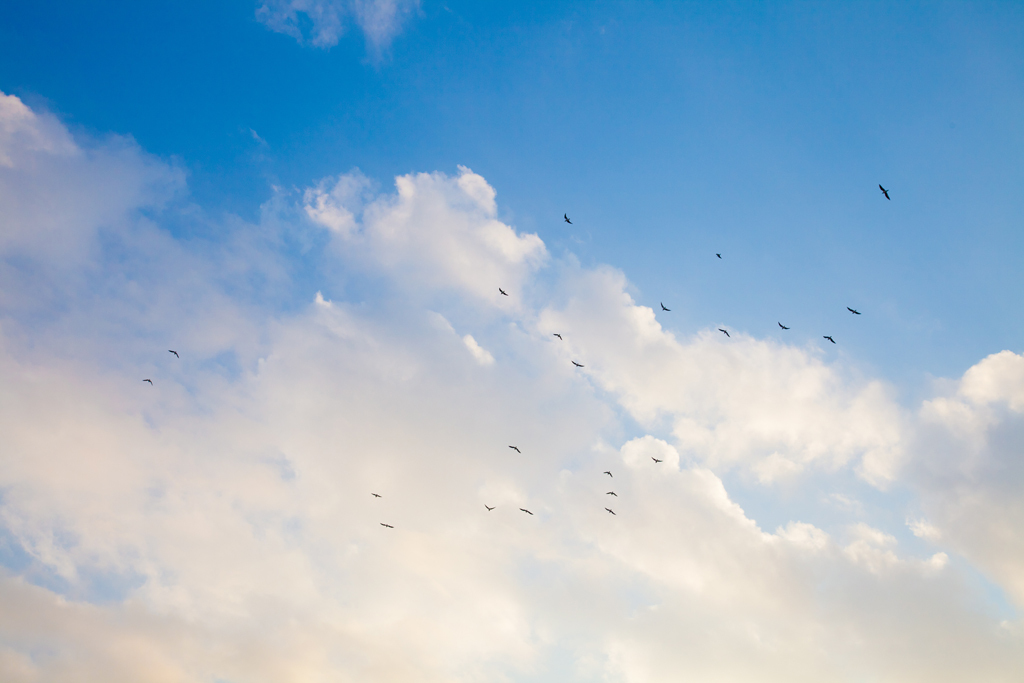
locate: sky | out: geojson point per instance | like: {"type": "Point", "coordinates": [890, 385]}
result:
{"type": "Point", "coordinates": [317, 204]}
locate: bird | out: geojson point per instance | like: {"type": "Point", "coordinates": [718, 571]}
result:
{"type": "Point", "coordinates": [555, 334]}
{"type": "Point", "coordinates": [852, 311]}
{"type": "Point", "coordinates": [829, 338]}
{"type": "Point", "coordinates": [375, 495]}
{"type": "Point", "coordinates": [884, 191]}
{"type": "Point", "coordinates": [663, 307]}
{"type": "Point", "coordinates": [566, 217]}
{"type": "Point", "coordinates": [718, 255]}
{"type": "Point", "coordinates": [577, 364]}
{"type": "Point", "coordinates": [526, 511]}
{"type": "Point", "coordinates": [516, 450]}
{"type": "Point", "coordinates": [174, 352]}
{"type": "Point", "coordinates": [612, 493]}
{"type": "Point", "coordinates": [654, 459]}
{"type": "Point", "coordinates": [148, 380]}
{"type": "Point", "coordinates": [387, 525]}
{"type": "Point", "coordinates": [725, 333]}
{"type": "Point", "coordinates": [783, 326]}
{"type": "Point", "coordinates": [608, 473]}
{"type": "Point", "coordinates": [611, 511]}
{"type": "Point", "coordinates": [489, 508]}
{"type": "Point", "coordinates": [502, 291]}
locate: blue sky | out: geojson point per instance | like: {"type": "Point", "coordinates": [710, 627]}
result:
{"type": "Point", "coordinates": [222, 177]}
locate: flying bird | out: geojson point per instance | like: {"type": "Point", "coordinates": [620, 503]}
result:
{"type": "Point", "coordinates": [718, 255]}
{"type": "Point", "coordinates": [516, 450]}
{"type": "Point", "coordinates": [611, 511]}
{"type": "Point", "coordinates": [654, 459]}
{"type": "Point", "coordinates": [725, 333]}
{"type": "Point", "coordinates": [577, 364]}
{"type": "Point", "coordinates": [566, 217]}
{"type": "Point", "coordinates": [608, 473]}
{"type": "Point", "coordinates": [489, 508]}
{"type": "Point", "coordinates": [387, 525]}
{"type": "Point", "coordinates": [502, 291]}
{"type": "Point", "coordinates": [829, 338]}
{"type": "Point", "coordinates": [852, 311]}
{"type": "Point", "coordinates": [555, 334]}
{"type": "Point", "coordinates": [783, 326]}
{"type": "Point", "coordinates": [884, 191]}
{"type": "Point", "coordinates": [663, 307]}
{"type": "Point", "coordinates": [375, 495]}
{"type": "Point", "coordinates": [148, 380]}
{"type": "Point", "coordinates": [526, 511]}
{"type": "Point", "coordinates": [612, 493]}
{"type": "Point", "coordinates": [174, 352]}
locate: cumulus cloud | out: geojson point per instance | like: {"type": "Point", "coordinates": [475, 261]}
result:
{"type": "Point", "coordinates": [321, 23]}
{"type": "Point", "coordinates": [219, 525]}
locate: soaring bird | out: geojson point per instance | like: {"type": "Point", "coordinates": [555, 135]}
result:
{"type": "Point", "coordinates": [526, 511]}
{"type": "Point", "coordinates": [577, 364]}
{"type": "Point", "coordinates": [148, 380]}
{"type": "Point", "coordinates": [174, 352]}
{"type": "Point", "coordinates": [555, 334]}
{"type": "Point", "coordinates": [852, 311]}
{"type": "Point", "coordinates": [502, 291]}
{"type": "Point", "coordinates": [663, 307]}
{"type": "Point", "coordinates": [566, 217]}
{"type": "Point", "coordinates": [655, 459]}
{"type": "Point", "coordinates": [718, 255]}
{"type": "Point", "coordinates": [829, 338]}
{"type": "Point", "coordinates": [608, 473]}
{"type": "Point", "coordinates": [489, 508]}
{"type": "Point", "coordinates": [516, 450]}
{"type": "Point", "coordinates": [783, 326]}
{"type": "Point", "coordinates": [612, 493]}
{"type": "Point", "coordinates": [725, 332]}
{"type": "Point", "coordinates": [884, 191]}
{"type": "Point", "coordinates": [387, 525]}
{"type": "Point", "coordinates": [611, 511]}
{"type": "Point", "coordinates": [375, 495]}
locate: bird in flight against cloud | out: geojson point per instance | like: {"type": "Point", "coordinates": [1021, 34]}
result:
{"type": "Point", "coordinates": [577, 364]}
{"type": "Point", "coordinates": [852, 311]}
{"type": "Point", "coordinates": [724, 332]}
{"type": "Point", "coordinates": [884, 191]}
{"type": "Point", "coordinates": [612, 493]}
{"type": "Point", "coordinates": [555, 334]}
{"type": "Point", "coordinates": [516, 450]}
{"type": "Point", "coordinates": [718, 255]}
{"type": "Point", "coordinates": [387, 525]}
{"type": "Point", "coordinates": [502, 291]}
{"type": "Point", "coordinates": [608, 473]}
{"type": "Point", "coordinates": [566, 217]}
{"type": "Point", "coordinates": [174, 352]}
{"type": "Point", "coordinates": [526, 511]}
{"type": "Point", "coordinates": [655, 459]}
{"type": "Point", "coordinates": [489, 508]}
{"type": "Point", "coordinates": [663, 307]}
{"type": "Point", "coordinates": [829, 338]}
{"type": "Point", "coordinates": [375, 495]}
{"type": "Point", "coordinates": [611, 511]}
{"type": "Point", "coordinates": [783, 326]}
{"type": "Point", "coordinates": [148, 380]}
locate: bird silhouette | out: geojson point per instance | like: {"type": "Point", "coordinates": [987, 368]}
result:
{"type": "Point", "coordinates": [612, 493]}
{"type": "Point", "coordinates": [526, 511]}
{"type": "Point", "coordinates": [611, 511]}
{"type": "Point", "coordinates": [718, 255]}
{"type": "Point", "coordinates": [516, 450]}
{"type": "Point", "coordinates": [174, 352]}
{"type": "Point", "coordinates": [555, 334]}
{"type": "Point", "coordinates": [577, 364]}
{"type": "Point", "coordinates": [148, 380]}
{"type": "Point", "coordinates": [608, 473]}
{"type": "Point", "coordinates": [489, 508]}
{"type": "Point", "coordinates": [783, 326]}
{"type": "Point", "coordinates": [375, 495]}
{"type": "Point", "coordinates": [852, 311]}
{"type": "Point", "coordinates": [663, 307]}
{"type": "Point", "coordinates": [884, 191]}
{"type": "Point", "coordinates": [829, 338]}
{"type": "Point", "coordinates": [502, 291]}
{"type": "Point", "coordinates": [655, 459]}
{"type": "Point", "coordinates": [387, 525]}
{"type": "Point", "coordinates": [566, 217]}
{"type": "Point", "coordinates": [724, 332]}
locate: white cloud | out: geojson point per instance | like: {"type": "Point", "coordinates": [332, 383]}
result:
{"type": "Point", "coordinates": [380, 20]}
{"type": "Point", "coordinates": [482, 355]}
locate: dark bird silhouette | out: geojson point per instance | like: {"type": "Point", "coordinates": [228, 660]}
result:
{"type": "Point", "coordinates": [829, 338]}
{"type": "Point", "coordinates": [612, 493]}
{"type": "Point", "coordinates": [516, 450]}
{"type": "Point", "coordinates": [526, 511]}
{"type": "Point", "coordinates": [655, 459]}
{"type": "Point", "coordinates": [566, 217]}
{"type": "Point", "coordinates": [375, 495]}
{"type": "Point", "coordinates": [502, 291]}
{"type": "Point", "coordinates": [148, 380]}
{"type": "Point", "coordinates": [174, 352]}
{"type": "Point", "coordinates": [783, 326]}
{"type": "Point", "coordinates": [608, 473]}
{"type": "Point", "coordinates": [663, 307]}
{"type": "Point", "coordinates": [852, 311]}
{"type": "Point", "coordinates": [555, 334]}
{"type": "Point", "coordinates": [489, 508]}
{"type": "Point", "coordinates": [577, 364]}
{"type": "Point", "coordinates": [718, 255]}
{"type": "Point", "coordinates": [611, 511]}
{"type": "Point", "coordinates": [387, 525]}
{"type": "Point", "coordinates": [725, 332]}
{"type": "Point", "coordinates": [884, 191]}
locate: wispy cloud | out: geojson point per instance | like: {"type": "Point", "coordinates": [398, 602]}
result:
{"type": "Point", "coordinates": [321, 23]}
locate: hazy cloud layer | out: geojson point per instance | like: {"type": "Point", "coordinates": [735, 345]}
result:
{"type": "Point", "coordinates": [219, 524]}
